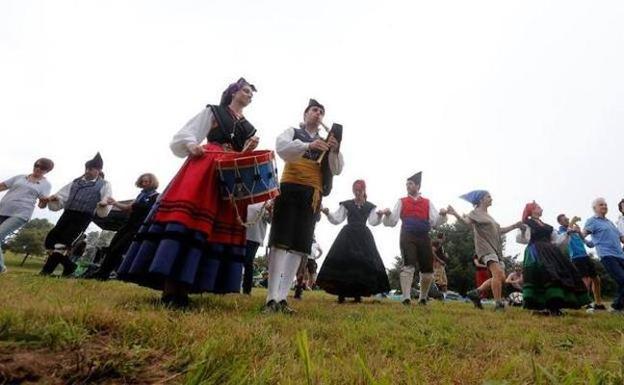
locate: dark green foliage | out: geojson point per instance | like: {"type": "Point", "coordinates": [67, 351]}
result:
{"type": "Point", "coordinates": [29, 239]}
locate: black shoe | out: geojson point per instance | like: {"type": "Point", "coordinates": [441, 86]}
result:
{"type": "Point", "coordinates": [284, 308]}
{"type": "Point", "coordinates": [69, 270]}
{"type": "Point", "coordinates": [341, 299]}
{"type": "Point", "coordinates": [422, 302]}
{"type": "Point", "coordinates": [357, 299]}
{"type": "Point", "coordinates": [474, 296]}
{"type": "Point", "coordinates": [406, 302]}
{"type": "Point", "coordinates": [599, 307]}
{"type": "Point", "coordinates": [270, 307]}
{"type": "Point", "coordinates": [298, 292]}
{"type": "Point", "coordinates": [555, 313]}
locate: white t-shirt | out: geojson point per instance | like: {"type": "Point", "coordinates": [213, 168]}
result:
{"type": "Point", "coordinates": [22, 196]}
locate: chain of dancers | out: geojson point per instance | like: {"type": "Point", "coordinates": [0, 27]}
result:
{"type": "Point", "coordinates": [202, 233]}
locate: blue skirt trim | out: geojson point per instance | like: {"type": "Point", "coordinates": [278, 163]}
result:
{"type": "Point", "coordinates": [171, 251]}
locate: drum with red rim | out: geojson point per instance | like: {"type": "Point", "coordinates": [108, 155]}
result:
{"type": "Point", "coordinates": [246, 178]}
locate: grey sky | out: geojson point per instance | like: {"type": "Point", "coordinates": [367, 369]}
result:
{"type": "Point", "coordinates": [521, 98]}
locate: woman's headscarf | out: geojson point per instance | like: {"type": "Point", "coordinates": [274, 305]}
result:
{"type": "Point", "coordinates": [474, 196]}
{"type": "Point", "coordinates": [226, 96]}
{"type": "Point", "coordinates": [361, 184]}
{"type": "Point", "coordinates": [528, 209]}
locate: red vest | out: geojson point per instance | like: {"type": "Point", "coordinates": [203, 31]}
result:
{"type": "Point", "coordinates": [415, 208]}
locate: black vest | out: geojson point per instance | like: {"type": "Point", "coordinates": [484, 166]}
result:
{"type": "Point", "coordinates": [229, 130]}
{"type": "Point", "coordinates": [357, 215]}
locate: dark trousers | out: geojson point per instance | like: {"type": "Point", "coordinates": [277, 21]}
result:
{"type": "Point", "coordinates": [615, 267]}
{"type": "Point", "coordinates": [416, 251]}
{"type": "Point", "coordinates": [250, 254]}
{"type": "Point", "coordinates": [69, 226]}
{"type": "Point", "coordinates": [56, 259]}
{"type": "Point", "coordinates": [115, 251]}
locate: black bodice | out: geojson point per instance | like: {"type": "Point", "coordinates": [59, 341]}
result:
{"type": "Point", "coordinates": [540, 232]}
{"type": "Point", "coordinates": [357, 215]}
{"type": "Point", "coordinates": [229, 129]}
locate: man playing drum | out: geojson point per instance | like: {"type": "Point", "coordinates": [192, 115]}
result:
{"type": "Point", "coordinates": [297, 209]}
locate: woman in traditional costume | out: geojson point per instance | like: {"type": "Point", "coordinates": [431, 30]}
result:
{"type": "Point", "coordinates": [551, 282]}
{"type": "Point", "coordinates": [193, 241]}
{"type": "Point", "coordinates": [353, 267]}
{"type": "Point", "coordinates": [137, 212]}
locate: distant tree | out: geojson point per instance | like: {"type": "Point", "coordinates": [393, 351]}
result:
{"type": "Point", "coordinates": [30, 238]}
{"type": "Point", "coordinates": [394, 273]}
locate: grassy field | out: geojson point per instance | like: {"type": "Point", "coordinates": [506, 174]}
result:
{"type": "Point", "coordinates": [66, 331]}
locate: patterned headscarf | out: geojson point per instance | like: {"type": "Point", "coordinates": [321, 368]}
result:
{"type": "Point", "coordinates": [474, 196]}
{"type": "Point", "coordinates": [226, 96]}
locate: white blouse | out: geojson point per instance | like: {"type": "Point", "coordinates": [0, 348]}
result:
{"type": "Point", "coordinates": [193, 132]}
{"type": "Point", "coordinates": [620, 224]}
{"type": "Point", "coordinates": [434, 215]}
{"type": "Point", "coordinates": [339, 216]}
{"type": "Point", "coordinates": [291, 150]}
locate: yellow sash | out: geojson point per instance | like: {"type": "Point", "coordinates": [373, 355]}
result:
{"type": "Point", "coordinates": [308, 173]}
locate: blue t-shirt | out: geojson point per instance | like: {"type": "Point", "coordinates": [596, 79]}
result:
{"type": "Point", "coordinates": [576, 245]}
{"type": "Point", "coordinates": [605, 236]}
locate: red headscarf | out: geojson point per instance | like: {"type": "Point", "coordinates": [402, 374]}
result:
{"type": "Point", "coordinates": [528, 209]}
{"type": "Point", "coordinates": [360, 184]}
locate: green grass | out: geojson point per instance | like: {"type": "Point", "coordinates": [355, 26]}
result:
{"type": "Point", "coordinates": [114, 332]}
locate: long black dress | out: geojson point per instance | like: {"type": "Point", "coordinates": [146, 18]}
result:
{"type": "Point", "coordinates": [550, 280]}
{"type": "Point", "coordinates": [353, 267]}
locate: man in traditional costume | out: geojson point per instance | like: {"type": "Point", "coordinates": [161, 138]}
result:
{"type": "Point", "coordinates": [418, 217]}
{"type": "Point", "coordinates": [310, 164]}
{"type": "Point", "coordinates": [81, 199]}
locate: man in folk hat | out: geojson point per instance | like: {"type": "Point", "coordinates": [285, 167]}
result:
{"type": "Point", "coordinates": [81, 199]}
{"type": "Point", "coordinates": [418, 217]}
{"type": "Point", "coordinates": [297, 209]}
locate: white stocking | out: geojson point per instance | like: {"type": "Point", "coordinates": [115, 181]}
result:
{"type": "Point", "coordinates": [277, 259]}
{"type": "Point", "coordinates": [291, 266]}
{"type": "Point", "coordinates": [406, 277]}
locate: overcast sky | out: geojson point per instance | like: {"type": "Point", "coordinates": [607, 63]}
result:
{"type": "Point", "coordinates": [524, 99]}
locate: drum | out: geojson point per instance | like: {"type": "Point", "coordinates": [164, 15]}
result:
{"type": "Point", "coordinates": [246, 178]}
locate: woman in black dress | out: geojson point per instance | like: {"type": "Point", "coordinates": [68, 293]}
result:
{"type": "Point", "coordinates": [551, 282]}
{"type": "Point", "coordinates": [353, 267]}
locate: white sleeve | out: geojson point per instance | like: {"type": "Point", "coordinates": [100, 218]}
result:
{"type": "Point", "coordinates": [336, 162]}
{"type": "Point", "coordinates": [63, 195]}
{"type": "Point", "coordinates": [287, 148]}
{"type": "Point", "coordinates": [338, 216]}
{"type": "Point", "coordinates": [559, 239]}
{"type": "Point", "coordinates": [392, 219]}
{"type": "Point", "coordinates": [524, 237]}
{"type": "Point", "coordinates": [195, 131]}
{"type": "Point", "coordinates": [434, 216]}
{"type": "Point", "coordinates": [373, 218]}
{"type": "Point", "coordinates": [106, 192]}
{"type": "Point", "coordinates": [620, 225]}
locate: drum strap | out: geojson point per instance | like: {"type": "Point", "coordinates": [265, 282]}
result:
{"type": "Point", "coordinates": [308, 173]}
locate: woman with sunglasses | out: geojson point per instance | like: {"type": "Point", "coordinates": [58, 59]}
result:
{"type": "Point", "coordinates": [17, 206]}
